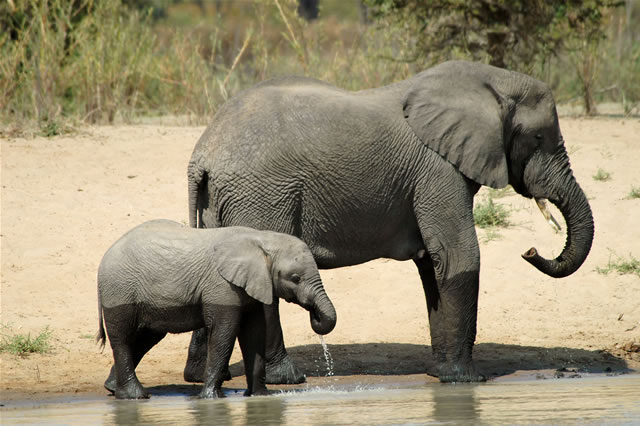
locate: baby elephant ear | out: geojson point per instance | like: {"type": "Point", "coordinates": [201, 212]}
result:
{"type": "Point", "coordinates": [454, 110]}
{"type": "Point", "coordinates": [243, 263]}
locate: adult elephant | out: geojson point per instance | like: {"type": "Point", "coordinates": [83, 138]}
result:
{"type": "Point", "coordinates": [388, 172]}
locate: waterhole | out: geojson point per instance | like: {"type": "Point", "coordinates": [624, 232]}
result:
{"type": "Point", "coordinates": [584, 400]}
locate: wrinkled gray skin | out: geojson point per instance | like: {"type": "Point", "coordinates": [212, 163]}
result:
{"type": "Point", "coordinates": [162, 277]}
{"type": "Point", "coordinates": [389, 172]}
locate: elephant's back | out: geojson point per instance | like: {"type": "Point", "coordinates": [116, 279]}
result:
{"type": "Point", "coordinates": [285, 113]}
{"type": "Point", "coordinates": [153, 254]}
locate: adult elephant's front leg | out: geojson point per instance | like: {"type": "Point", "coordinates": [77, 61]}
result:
{"type": "Point", "coordinates": [280, 368]}
{"type": "Point", "coordinates": [452, 303]}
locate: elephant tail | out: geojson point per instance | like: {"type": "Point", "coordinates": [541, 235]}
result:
{"type": "Point", "coordinates": [197, 181]}
{"type": "Point", "coordinates": [101, 337]}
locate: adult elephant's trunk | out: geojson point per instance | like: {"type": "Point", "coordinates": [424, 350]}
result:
{"type": "Point", "coordinates": [567, 195]}
{"type": "Point", "coordinates": [321, 312]}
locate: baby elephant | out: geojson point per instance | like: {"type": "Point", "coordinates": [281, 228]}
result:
{"type": "Point", "coordinates": [162, 277]}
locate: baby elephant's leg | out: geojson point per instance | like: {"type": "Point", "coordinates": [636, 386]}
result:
{"type": "Point", "coordinates": [222, 336]}
{"type": "Point", "coordinates": [252, 338]}
{"type": "Point", "coordinates": [122, 338]}
{"type": "Point", "coordinates": [145, 340]}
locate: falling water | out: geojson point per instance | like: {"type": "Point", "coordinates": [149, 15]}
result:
{"type": "Point", "coordinates": [327, 356]}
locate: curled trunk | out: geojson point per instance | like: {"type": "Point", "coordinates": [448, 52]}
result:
{"type": "Point", "coordinates": [322, 313]}
{"type": "Point", "coordinates": [573, 204]}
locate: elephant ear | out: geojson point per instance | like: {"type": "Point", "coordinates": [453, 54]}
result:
{"type": "Point", "coordinates": [457, 113]}
{"type": "Point", "coordinates": [244, 264]}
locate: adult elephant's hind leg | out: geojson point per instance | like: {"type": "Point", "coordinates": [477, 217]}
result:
{"type": "Point", "coordinates": [452, 303]}
{"type": "Point", "coordinates": [280, 368]}
{"type": "Point", "coordinates": [194, 370]}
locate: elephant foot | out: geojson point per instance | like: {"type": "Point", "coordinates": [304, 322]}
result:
{"type": "Point", "coordinates": [131, 390]}
{"type": "Point", "coordinates": [209, 393]}
{"type": "Point", "coordinates": [284, 372]}
{"type": "Point", "coordinates": [259, 392]}
{"type": "Point", "coordinates": [110, 383]}
{"type": "Point", "coordinates": [459, 372]}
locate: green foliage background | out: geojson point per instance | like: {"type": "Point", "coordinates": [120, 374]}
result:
{"type": "Point", "coordinates": [71, 61]}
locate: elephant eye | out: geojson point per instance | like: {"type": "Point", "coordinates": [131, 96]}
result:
{"type": "Point", "coordinates": [539, 136]}
{"type": "Point", "coordinates": [295, 278]}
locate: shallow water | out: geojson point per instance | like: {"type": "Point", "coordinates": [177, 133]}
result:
{"type": "Point", "coordinates": [585, 400]}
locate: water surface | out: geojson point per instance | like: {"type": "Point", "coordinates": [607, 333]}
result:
{"type": "Point", "coordinates": [584, 400]}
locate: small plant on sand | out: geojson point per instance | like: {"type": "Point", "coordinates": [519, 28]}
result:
{"type": "Point", "coordinates": [53, 128]}
{"type": "Point", "coordinates": [621, 266]}
{"type": "Point", "coordinates": [490, 234]}
{"type": "Point", "coordinates": [488, 214]}
{"type": "Point", "coordinates": [602, 175]}
{"type": "Point", "coordinates": [634, 193]}
{"type": "Point", "coordinates": [23, 345]}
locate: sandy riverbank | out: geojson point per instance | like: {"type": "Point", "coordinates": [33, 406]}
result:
{"type": "Point", "coordinates": [66, 199]}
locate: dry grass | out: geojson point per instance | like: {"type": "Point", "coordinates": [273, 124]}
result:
{"type": "Point", "coordinates": [118, 64]}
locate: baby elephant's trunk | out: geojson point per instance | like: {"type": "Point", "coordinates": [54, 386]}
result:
{"type": "Point", "coordinates": [322, 313]}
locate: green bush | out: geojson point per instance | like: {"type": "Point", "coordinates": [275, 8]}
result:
{"type": "Point", "coordinates": [602, 175]}
{"type": "Point", "coordinates": [488, 214]}
{"type": "Point", "coordinates": [634, 192]}
{"type": "Point", "coordinates": [107, 64]}
{"type": "Point", "coordinates": [23, 345]}
{"type": "Point", "coordinates": [66, 61]}
{"type": "Point", "coordinates": [622, 266]}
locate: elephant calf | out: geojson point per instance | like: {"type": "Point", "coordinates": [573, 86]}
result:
{"type": "Point", "coordinates": [162, 277]}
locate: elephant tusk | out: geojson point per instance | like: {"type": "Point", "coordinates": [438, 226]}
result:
{"type": "Point", "coordinates": [542, 205]}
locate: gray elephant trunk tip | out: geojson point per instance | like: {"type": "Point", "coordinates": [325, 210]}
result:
{"type": "Point", "coordinates": [321, 327]}
{"type": "Point", "coordinates": [323, 320]}
{"type": "Point", "coordinates": [545, 265]}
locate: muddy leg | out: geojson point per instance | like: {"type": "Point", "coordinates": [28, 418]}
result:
{"type": "Point", "coordinates": [224, 328]}
{"type": "Point", "coordinates": [280, 368]}
{"type": "Point", "coordinates": [141, 345]}
{"type": "Point", "coordinates": [252, 344]}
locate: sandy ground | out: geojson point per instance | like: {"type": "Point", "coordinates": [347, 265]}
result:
{"type": "Point", "coordinates": [66, 199]}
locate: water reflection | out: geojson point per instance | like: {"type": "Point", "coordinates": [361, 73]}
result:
{"type": "Point", "coordinates": [265, 410]}
{"type": "Point", "coordinates": [455, 402]}
{"type": "Point", "coordinates": [126, 412]}
{"type": "Point", "coordinates": [205, 412]}
{"type": "Point", "coordinates": [604, 399]}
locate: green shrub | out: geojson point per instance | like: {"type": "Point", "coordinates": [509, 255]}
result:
{"type": "Point", "coordinates": [602, 175]}
{"type": "Point", "coordinates": [621, 266]}
{"type": "Point", "coordinates": [67, 61]}
{"type": "Point", "coordinates": [23, 345]}
{"type": "Point", "coordinates": [634, 192]}
{"type": "Point", "coordinates": [108, 64]}
{"type": "Point", "coordinates": [488, 214]}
